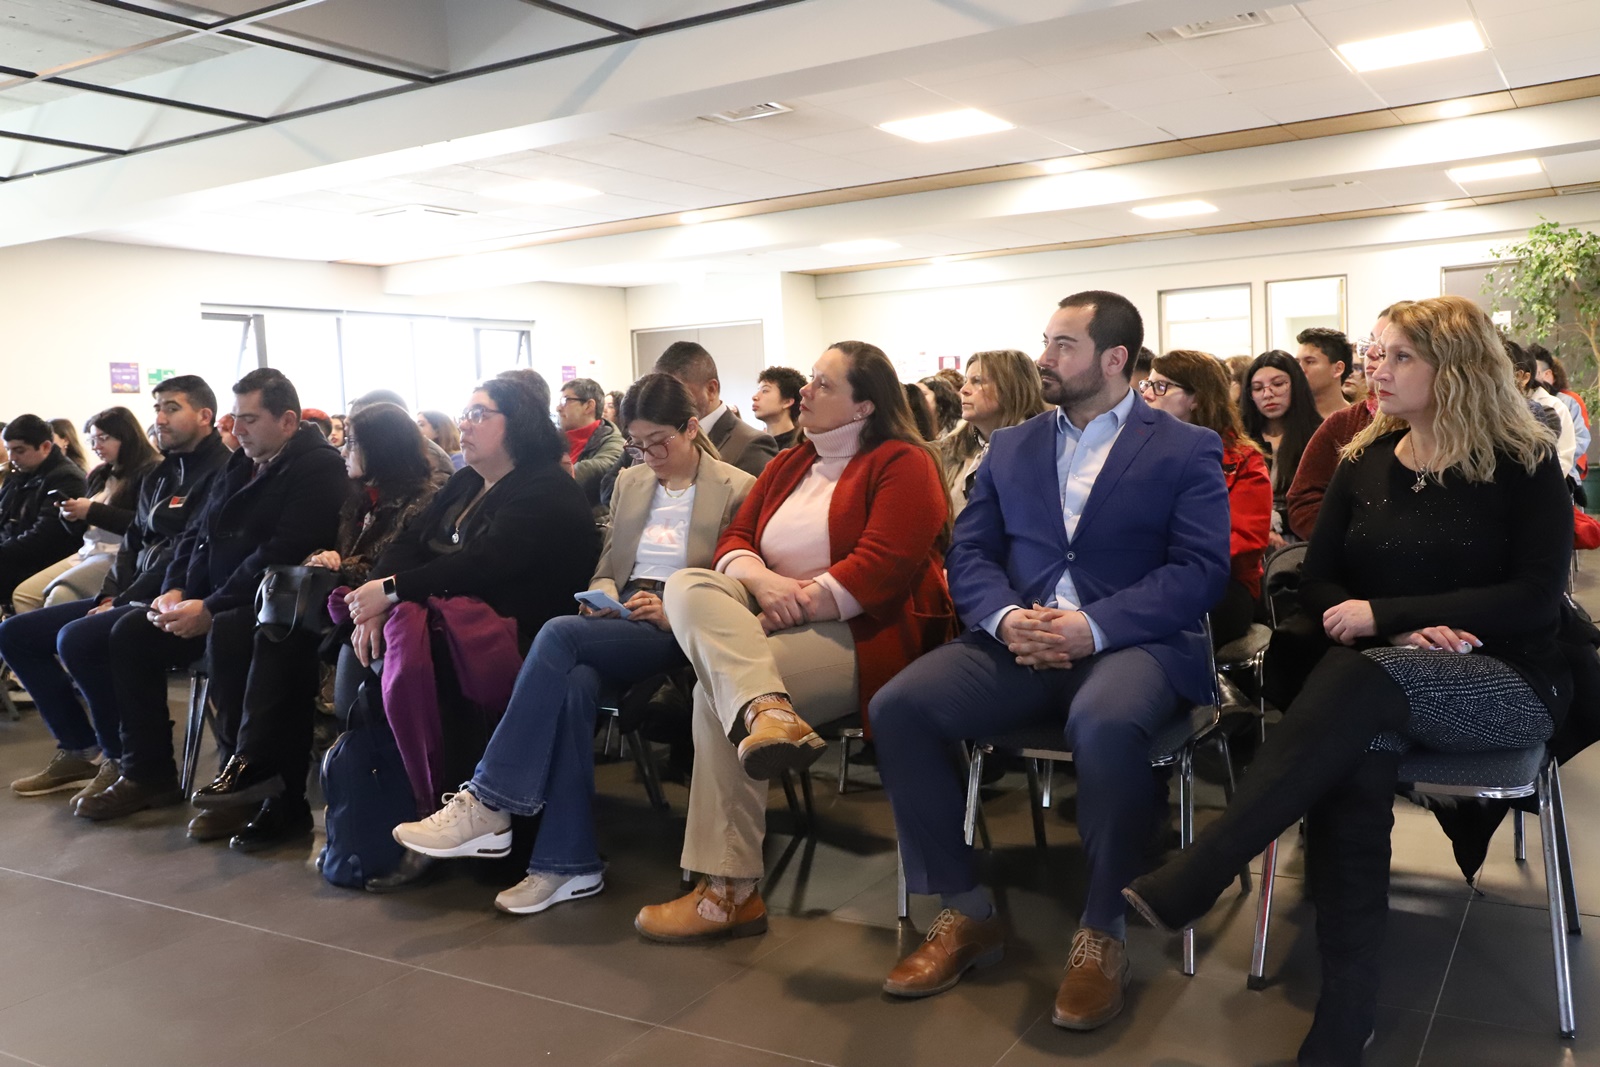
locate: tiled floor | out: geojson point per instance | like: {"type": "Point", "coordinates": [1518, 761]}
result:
{"type": "Point", "coordinates": [125, 944]}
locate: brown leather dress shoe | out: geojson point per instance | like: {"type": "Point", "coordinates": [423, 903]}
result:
{"type": "Point", "coordinates": [679, 921]}
{"type": "Point", "coordinates": [1097, 973]}
{"type": "Point", "coordinates": [955, 945]}
{"type": "Point", "coordinates": [779, 740]}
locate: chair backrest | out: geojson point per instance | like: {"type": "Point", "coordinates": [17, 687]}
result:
{"type": "Point", "coordinates": [1281, 576]}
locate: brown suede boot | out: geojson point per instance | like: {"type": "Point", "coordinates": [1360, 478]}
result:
{"type": "Point", "coordinates": [680, 921]}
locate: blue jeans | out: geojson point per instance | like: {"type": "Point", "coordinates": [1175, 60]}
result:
{"type": "Point", "coordinates": [29, 643]}
{"type": "Point", "coordinates": [541, 757]}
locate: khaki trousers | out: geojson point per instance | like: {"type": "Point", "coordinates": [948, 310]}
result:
{"type": "Point", "coordinates": [715, 620]}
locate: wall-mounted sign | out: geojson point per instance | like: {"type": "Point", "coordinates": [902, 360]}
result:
{"type": "Point", "coordinates": [125, 377]}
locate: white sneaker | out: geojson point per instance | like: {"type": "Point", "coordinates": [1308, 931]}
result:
{"type": "Point", "coordinates": [463, 827]}
{"type": "Point", "coordinates": [540, 890]}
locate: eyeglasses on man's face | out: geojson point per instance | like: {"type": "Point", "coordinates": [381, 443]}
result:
{"type": "Point", "coordinates": [477, 413]}
{"type": "Point", "coordinates": [1158, 386]}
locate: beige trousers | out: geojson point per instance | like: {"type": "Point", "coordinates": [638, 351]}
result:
{"type": "Point", "coordinates": [715, 621]}
{"type": "Point", "coordinates": [29, 594]}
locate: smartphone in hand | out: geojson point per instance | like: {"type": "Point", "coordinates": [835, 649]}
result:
{"type": "Point", "coordinates": [600, 601]}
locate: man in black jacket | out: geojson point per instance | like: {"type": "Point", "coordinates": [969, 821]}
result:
{"type": "Point", "coordinates": [185, 410]}
{"type": "Point", "coordinates": [275, 502]}
{"type": "Point", "coordinates": [33, 534]}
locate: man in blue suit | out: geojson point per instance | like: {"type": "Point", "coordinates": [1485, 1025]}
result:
{"type": "Point", "coordinates": [1093, 541]}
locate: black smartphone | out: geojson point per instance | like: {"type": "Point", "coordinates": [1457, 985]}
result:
{"type": "Point", "coordinates": [56, 496]}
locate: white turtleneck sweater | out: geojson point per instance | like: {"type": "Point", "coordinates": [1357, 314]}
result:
{"type": "Point", "coordinates": [795, 542]}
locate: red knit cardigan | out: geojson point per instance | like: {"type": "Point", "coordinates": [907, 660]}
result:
{"type": "Point", "coordinates": [1249, 512]}
{"type": "Point", "coordinates": [885, 536]}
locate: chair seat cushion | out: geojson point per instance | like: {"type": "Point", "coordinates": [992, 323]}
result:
{"type": "Point", "coordinates": [1510, 768]}
{"type": "Point", "coordinates": [1242, 649]}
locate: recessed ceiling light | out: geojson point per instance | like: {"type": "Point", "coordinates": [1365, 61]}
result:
{"type": "Point", "coordinates": [1437, 205]}
{"type": "Point", "coordinates": [865, 244]}
{"type": "Point", "coordinates": [1483, 172]}
{"type": "Point", "coordinates": [1176, 209]}
{"type": "Point", "coordinates": [542, 192]}
{"type": "Point", "coordinates": [946, 126]}
{"type": "Point", "coordinates": [692, 218]}
{"type": "Point", "coordinates": [1454, 109]}
{"type": "Point", "coordinates": [1418, 46]}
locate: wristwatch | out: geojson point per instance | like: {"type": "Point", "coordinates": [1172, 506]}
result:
{"type": "Point", "coordinates": [389, 590]}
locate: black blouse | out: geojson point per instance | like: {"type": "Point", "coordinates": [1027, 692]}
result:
{"type": "Point", "coordinates": [1490, 558]}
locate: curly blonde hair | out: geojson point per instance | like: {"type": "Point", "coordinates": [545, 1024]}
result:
{"type": "Point", "coordinates": [1478, 409]}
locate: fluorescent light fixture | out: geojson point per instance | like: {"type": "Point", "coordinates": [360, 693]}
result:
{"type": "Point", "coordinates": [694, 218]}
{"type": "Point", "coordinates": [1418, 46]}
{"type": "Point", "coordinates": [1437, 205]}
{"type": "Point", "coordinates": [1065, 164]}
{"type": "Point", "coordinates": [542, 192]}
{"type": "Point", "coordinates": [1484, 172]}
{"type": "Point", "coordinates": [1174, 210]}
{"type": "Point", "coordinates": [1454, 109]}
{"type": "Point", "coordinates": [865, 244]}
{"type": "Point", "coordinates": [946, 126]}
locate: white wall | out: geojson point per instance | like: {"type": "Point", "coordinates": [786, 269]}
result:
{"type": "Point", "coordinates": [70, 307]}
{"type": "Point", "coordinates": [919, 313]}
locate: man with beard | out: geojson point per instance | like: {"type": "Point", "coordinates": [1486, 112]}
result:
{"type": "Point", "coordinates": [1093, 541]}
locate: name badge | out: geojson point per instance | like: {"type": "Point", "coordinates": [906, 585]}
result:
{"type": "Point", "coordinates": [176, 502]}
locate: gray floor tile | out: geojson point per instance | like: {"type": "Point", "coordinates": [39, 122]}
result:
{"type": "Point", "coordinates": [223, 987]}
{"type": "Point", "coordinates": [426, 1018]}
{"type": "Point", "coordinates": [1503, 974]}
{"type": "Point", "coordinates": [663, 1047]}
{"type": "Point", "coordinates": [1470, 1043]}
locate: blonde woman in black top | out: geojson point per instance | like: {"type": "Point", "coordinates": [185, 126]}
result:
{"type": "Point", "coordinates": [1002, 389]}
{"type": "Point", "coordinates": [1436, 571]}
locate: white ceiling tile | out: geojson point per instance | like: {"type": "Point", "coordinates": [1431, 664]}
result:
{"type": "Point", "coordinates": [1311, 9]}
{"type": "Point", "coordinates": [1096, 133]}
{"type": "Point", "coordinates": [554, 216]}
{"type": "Point", "coordinates": [1487, 9]}
{"type": "Point", "coordinates": [1028, 83]}
{"type": "Point", "coordinates": [1079, 51]}
{"type": "Point", "coordinates": [1244, 46]}
{"type": "Point", "coordinates": [705, 139]}
{"type": "Point", "coordinates": [990, 69]}
{"type": "Point", "coordinates": [757, 185]}
{"type": "Point", "coordinates": [1122, 68]}
{"type": "Point", "coordinates": [857, 92]}
{"type": "Point", "coordinates": [852, 142]}
{"type": "Point", "coordinates": [1538, 24]}
{"type": "Point", "coordinates": [1198, 118]}
{"type": "Point", "coordinates": [1049, 109]}
{"type": "Point", "coordinates": [1282, 70]}
{"type": "Point", "coordinates": [1320, 98]}
{"type": "Point", "coordinates": [913, 103]}
{"type": "Point", "coordinates": [1381, 20]}
{"type": "Point", "coordinates": [1414, 185]}
{"type": "Point", "coordinates": [806, 120]}
{"type": "Point", "coordinates": [1573, 55]}
{"type": "Point", "coordinates": [838, 173]}
{"type": "Point", "coordinates": [1156, 90]}
{"type": "Point", "coordinates": [1573, 168]}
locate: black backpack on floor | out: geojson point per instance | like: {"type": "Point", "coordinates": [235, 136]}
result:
{"type": "Point", "coordinates": [368, 795]}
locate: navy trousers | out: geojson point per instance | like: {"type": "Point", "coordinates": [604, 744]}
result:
{"type": "Point", "coordinates": [30, 642]}
{"type": "Point", "coordinates": [1109, 707]}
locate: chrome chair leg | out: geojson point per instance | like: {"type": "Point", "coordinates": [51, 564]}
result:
{"type": "Point", "coordinates": [1186, 835]}
{"type": "Point", "coordinates": [1557, 895]}
{"type": "Point", "coordinates": [1519, 839]}
{"type": "Point", "coordinates": [902, 895]}
{"type": "Point", "coordinates": [974, 782]}
{"type": "Point", "coordinates": [1564, 852]}
{"type": "Point", "coordinates": [1258, 952]}
{"type": "Point", "coordinates": [1047, 775]}
{"type": "Point", "coordinates": [1034, 807]}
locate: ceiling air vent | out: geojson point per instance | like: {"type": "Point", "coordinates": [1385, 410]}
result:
{"type": "Point", "coordinates": [416, 211]}
{"type": "Point", "coordinates": [1192, 30]}
{"type": "Point", "coordinates": [1574, 190]}
{"type": "Point", "coordinates": [745, 114]}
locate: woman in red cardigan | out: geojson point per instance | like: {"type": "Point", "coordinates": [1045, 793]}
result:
{"type": "Point", "coordinates": [828, 582]}
{"type": "Point", "coordinates": [1193, 386]}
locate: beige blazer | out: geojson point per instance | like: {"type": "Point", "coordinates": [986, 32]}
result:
{"type": "Point", "coordinates": [719, 489]}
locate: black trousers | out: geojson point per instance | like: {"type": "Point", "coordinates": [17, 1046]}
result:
{"type": "Point", "coordinates": [141, 656]}
{"type": "Point", "coordinates": [279, 706]}
{"type": "Point", "coordinates": [1232, 615]}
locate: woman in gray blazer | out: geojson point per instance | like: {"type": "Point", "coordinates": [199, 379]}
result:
{"type": "Point", "coordinates": [667, 512]}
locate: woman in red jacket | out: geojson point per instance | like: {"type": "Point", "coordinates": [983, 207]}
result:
{"type": "Point", "coordinates": [827, 583]}
{"type": "Point", "coordinates": [1193, 386]}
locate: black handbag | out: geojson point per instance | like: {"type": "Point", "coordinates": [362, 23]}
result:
{"type": "Point", "coordinates": [294, 599]}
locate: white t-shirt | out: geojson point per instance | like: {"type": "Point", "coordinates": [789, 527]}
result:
{"type": "Point", "coordinates": [664, 543]}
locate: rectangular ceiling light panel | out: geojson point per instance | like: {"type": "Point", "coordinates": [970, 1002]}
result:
{"type": "Point", "coordinates": [1484, 172]}
{"type": "Point", "coordinates": [1175, 210]}
{"type": "Point", "coordinates": [946, 126]}
{"type": "Point", "coordinates": [1418, 46]}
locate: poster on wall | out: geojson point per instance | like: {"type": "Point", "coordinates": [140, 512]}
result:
{"type": "Point", "coordinates": [949, 362]}
{"type": "Point", "coordinates": [568, 373]}
{"type": "Point", "coordinates": [125, 377]}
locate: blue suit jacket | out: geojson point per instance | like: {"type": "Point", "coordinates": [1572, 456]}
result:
{"type": "Point", "coordinates": [1150, 553]}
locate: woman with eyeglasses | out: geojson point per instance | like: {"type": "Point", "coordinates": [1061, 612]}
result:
{"type": "Point", "coordinates": [1279, 415]}
{"type": "Point", "coordinates": [667, 512]}
{"type": "Point", "coordinates": [107, 505]}
{"type": "Point", "coordinates": [828, 582]}
{"type": "Point", "coordinates": [1001, 389]}
{"type": "Point", "coordinates": [1193, 387]}
{"type": "Point", "coordinates": [264, 781]}
{"type": "Point", "coordinates": [509, 529]}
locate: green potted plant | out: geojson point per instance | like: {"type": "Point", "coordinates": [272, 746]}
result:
{"type": "Point", "coordinates": [1550, 285]}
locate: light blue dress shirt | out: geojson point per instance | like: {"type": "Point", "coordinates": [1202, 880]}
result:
{"type": "Point", "coordinates": [1081, 457]}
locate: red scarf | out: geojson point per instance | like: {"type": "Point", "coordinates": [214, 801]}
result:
{"type": "Point", "coordinates": [578, 440]}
